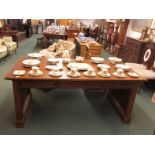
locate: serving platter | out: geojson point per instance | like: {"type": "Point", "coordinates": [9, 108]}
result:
{"type": "Point", "coordinates": [79, 66]}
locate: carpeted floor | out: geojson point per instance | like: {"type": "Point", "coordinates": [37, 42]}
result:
{"type": "Point", "coordinates": [61, 112]}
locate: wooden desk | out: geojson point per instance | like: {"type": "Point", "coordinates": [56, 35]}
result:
{"type": "Point", "coordinates": [93, 49]}
{"type": "Point", "coordinates": [122, 90]}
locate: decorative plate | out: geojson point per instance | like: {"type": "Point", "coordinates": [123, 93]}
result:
{"type": "Point", "coordinates": [52, 67]}
{"type": "Point", "coordinates": [133, 74]}
{"type": "Point", "coordinates": [97, 59]}
{"type": "Point", "coordinates": [19, 72]}
{"type": "Point", "coordinates": [35, 55]}
{"type": "Point", "coordinates": [122, 66]}
{"type": "Point", "coordinates": [38, 73]}
{"type": "Point", "coordinates": [31, 62]}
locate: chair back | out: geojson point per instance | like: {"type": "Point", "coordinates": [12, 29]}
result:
{"type": "Point", "coordinates": [149, 55]}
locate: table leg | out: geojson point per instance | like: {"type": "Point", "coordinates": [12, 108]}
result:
{"type": "Point", "coordinates": [22, 99]}
{"type": "Point", "coordinates": [123, 101]}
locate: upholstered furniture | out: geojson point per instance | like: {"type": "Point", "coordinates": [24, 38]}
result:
{"type": "Point", "coordinates": [10, 44]}
{"type": "Point", "coordinates": [56, 49]}
{"type": "Point", "coordinates": [3, 50]}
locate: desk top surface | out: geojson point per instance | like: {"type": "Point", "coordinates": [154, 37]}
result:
{"type": "Point", "coordinates": [46, 76]}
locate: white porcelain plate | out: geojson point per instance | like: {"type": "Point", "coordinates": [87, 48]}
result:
{"type": "Point", "coordinates": [104, 75]}
{"type": "Point", "coordinates": [122, 75]}
{"type": "Point", "coordinates": [114, 59]}
{"type": "Point", "coordinates": [77, 74]}
{"type": "Point", "coordinates": [97, 59]}
{"type": "Point", "coordinates": [19, 72]}
{"type": "Point", "coordinates": [52, 67]}
{"type": "Point", "coordinates": [35, 55]}
{"type": "Point", "coordinates": [133, 74]}
{"type": "Point", "coordinates": [100, 66]}
{"type": "Point", "coordinates": [122, 66]}
{"type": "Point", "coordinates": [89, 75]}
{"type": "Point", "coordinates": [31, 62]}
{"type": "Point", "coordinates": [79, 66]}
{"type": "Point", "coordinates": [38, 73]}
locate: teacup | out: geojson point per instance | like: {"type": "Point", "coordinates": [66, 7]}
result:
{"type": "Point", "coordinates": [73, 70]}
{"type": "Point", "coordinates": [55, 70]}
{"type": "Point", "coordinates": [104, 71]}
{"type": "Point", "coordinates": [120, 71]}
{"type": "Point", "coordinates": [79, 58]}
{"type": "Point", "coordinates": [90, 71]}
{"type": "Point", "coordinates": [35, 69]}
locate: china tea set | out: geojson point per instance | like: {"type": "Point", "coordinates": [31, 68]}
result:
{"type": "Point", "coordinates": [55, 65]}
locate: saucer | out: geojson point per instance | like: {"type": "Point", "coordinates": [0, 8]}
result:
{"type": "Point", "coordinates": [119, 75]}
{"type": "Point", "coordinates": [104, 75]}
{"type": "Point", "coordinates": [38, 73]}
{"type": "Point", "coordinates": [52, 73]}
{"type": "Point", "coordinates": [77, 74]}
{"type": "Point", "coordinates": [19, 72]}
{"type": "Point", "coordinates": [51, 67]}
{"type": "Point", "coordinates": [90, 75]}
{"type": "Point", "coordinates": [133, 74]}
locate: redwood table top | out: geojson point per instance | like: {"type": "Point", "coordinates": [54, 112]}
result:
{"type": "Point", "coordinates": [46, 76]}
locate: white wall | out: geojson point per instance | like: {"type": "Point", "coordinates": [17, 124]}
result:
{"type": "Point", "coordinates": [135, 34]}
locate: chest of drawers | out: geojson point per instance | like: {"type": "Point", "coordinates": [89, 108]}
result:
{"type": "Point", "coordinates": [133, 50]}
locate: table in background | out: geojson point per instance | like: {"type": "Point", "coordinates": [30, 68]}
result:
{"type": "Point", "coordinates": [53, 36]}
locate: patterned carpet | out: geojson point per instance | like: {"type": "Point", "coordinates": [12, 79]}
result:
{"type": "Point", "coordinates": [68, 112]}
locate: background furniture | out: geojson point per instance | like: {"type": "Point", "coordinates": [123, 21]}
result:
{"type": "Point", "coordinates": [93, 49]}
{"type": "Point", "coordinates": [3, 50]}
{"type": "Point", "coordinates": [133, 50]}
{"type": "Point", "coordinates": [10, 44]}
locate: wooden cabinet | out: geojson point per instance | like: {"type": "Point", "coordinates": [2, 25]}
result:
{"type": "Point", "coordinates": [71, 33]}
{"type": "Point", "coordinates": [93, 49]}
{"type": "Point", "coordinates": [133, 50]}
